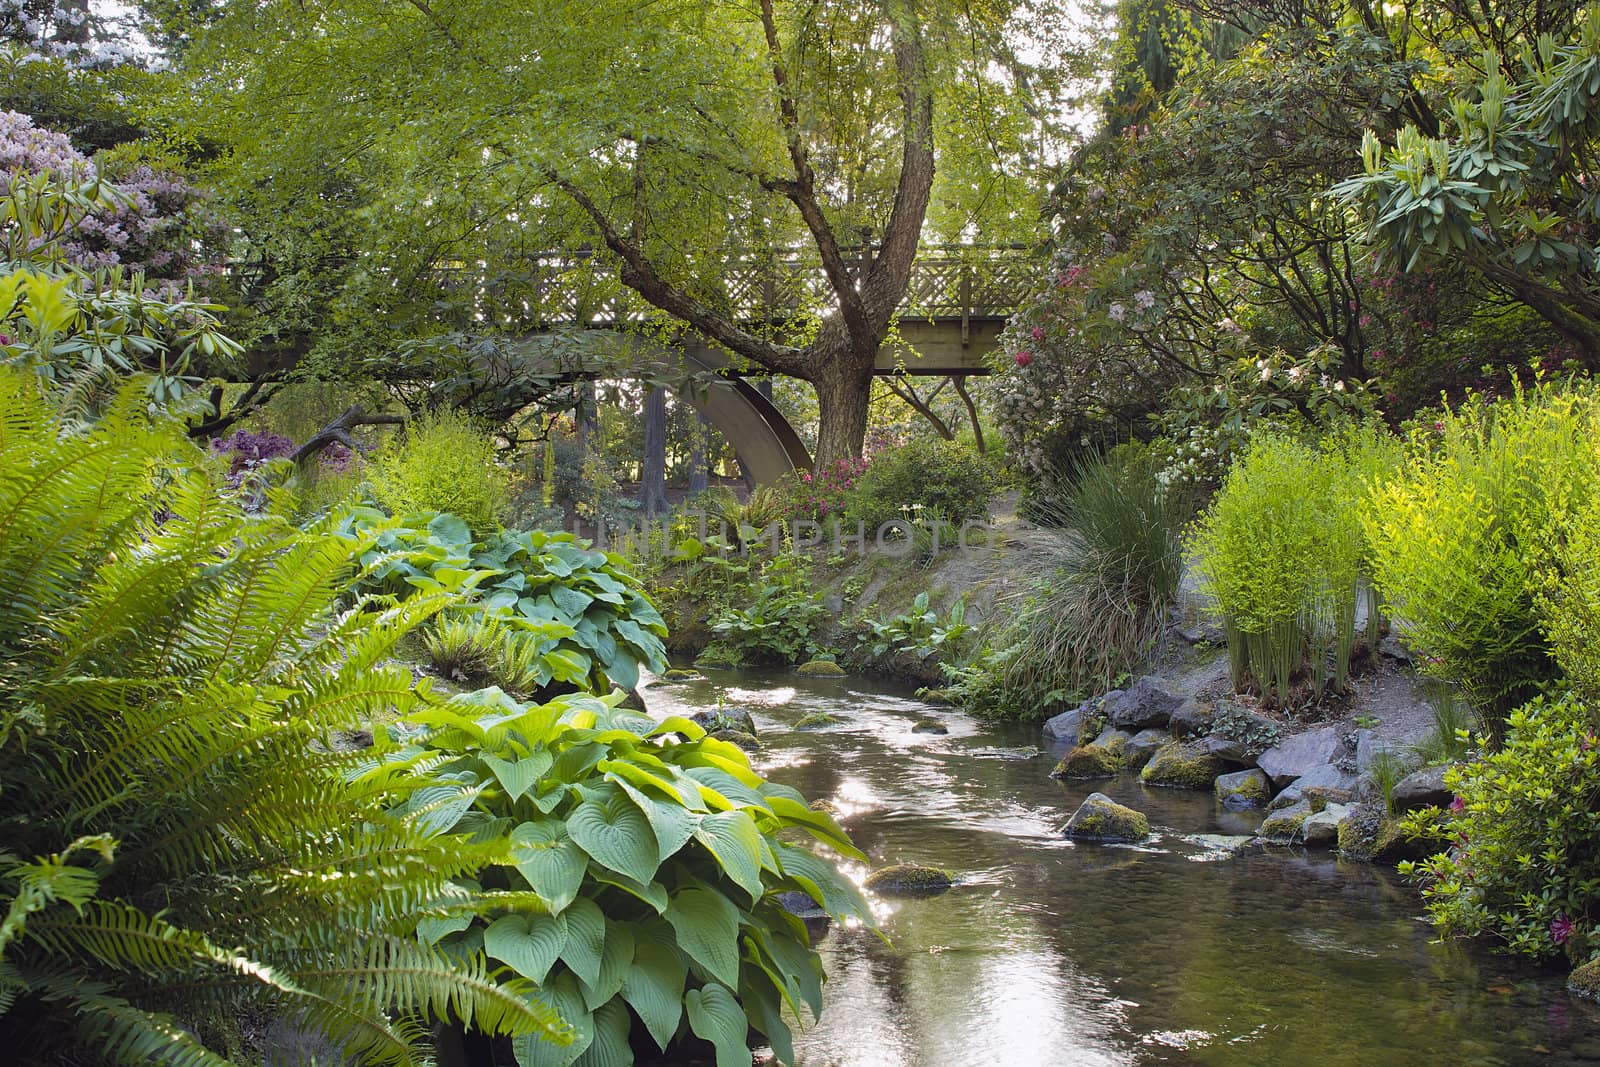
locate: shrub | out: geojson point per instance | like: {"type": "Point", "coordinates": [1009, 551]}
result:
{"type": "Point", "coordinates": [591, 624]}
{"type": "Point", "coordinates": [1465, 543]}
{"type": "Point", "coordinates": [819, 495]}
{"type": "Point", "coordinates": [179, 841]}
{"type": "Point", "coordinates": [1522, 864]}
{"type": "Point", "coordinates": [921, 633]}
{"type": "Point", "coordinates": [782, 620]}
{"type": "Point", "coordinates": [922, 480]}
{"type": "Point", "coordinates": [1280, 552]}
{"type": "Point", "coordinates": [642, 872]}
{"type": "Point", "coordinates": [1569, 604]}
{"type": "Point", "coordinates": [442, 463]}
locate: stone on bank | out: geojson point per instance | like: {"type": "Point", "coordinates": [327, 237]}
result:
{"type": "Point", "coordinates": [1099, 818]}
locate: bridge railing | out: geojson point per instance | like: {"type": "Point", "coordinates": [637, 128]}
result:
{"type": "Point", "coordinates": [582, 288]}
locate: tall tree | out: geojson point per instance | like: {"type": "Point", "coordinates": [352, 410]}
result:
{"type": "Point", "coordinates": [676, 136]}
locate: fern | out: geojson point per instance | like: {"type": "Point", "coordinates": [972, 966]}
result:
{"type": "Point", "coordinates": [179, 835]}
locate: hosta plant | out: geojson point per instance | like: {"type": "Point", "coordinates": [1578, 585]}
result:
{"type": "Point", "coordinates": [179, 837]}
{"type": "Point", "coordinates": [582, 619]}
{"type": "Point", "coordinates": [645, 861]}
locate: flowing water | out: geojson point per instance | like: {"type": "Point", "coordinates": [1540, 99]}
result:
{"type": "Point", "coordinates": [1180, 950]}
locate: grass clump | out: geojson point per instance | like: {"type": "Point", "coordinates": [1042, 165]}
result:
{"type": "Point", "coordinates": [443, 463]}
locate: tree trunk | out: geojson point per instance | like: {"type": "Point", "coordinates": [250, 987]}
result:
{"type": "Point", "coordinates": [653, 475]}
{"type": "Point", "coordinates": [843, 398]}
{"type": "Point", "coordinates": [699, 468]}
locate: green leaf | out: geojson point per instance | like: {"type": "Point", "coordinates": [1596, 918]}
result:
{"type": "Point", "coordinates": [707, 925]}
{"type": "Point", "coordinates": [652, 893]}
{"type": "Point", "coordinates": [586, 939]}
{"type": "Point", "coordinates": [670, 822]}
{"type": "Point", "coordinates": [528, 944]}
{"type": "Point", "coordinates": [610, 1046]}
{"type": "Point", "coordinates": [616, 834]}
{"type": "Point", "coordinates": [563, 994]}
{"type": "Point", "coordinates": [615, 961]}
{"type": "Point", "coordinates": [519, 776]}
{"type": "Point", "coordinates": [549, 861]}
{"type": "Point", "coordinates": [573, 602]}
{"type": "Point", "coordinates": [732, 837]}
{"type": "Point", "coordinates": [654, 989]}
{"type": "Point", "coordinates": [715, 1015]}
{"type": "Point", "coordinates": [838, 897]}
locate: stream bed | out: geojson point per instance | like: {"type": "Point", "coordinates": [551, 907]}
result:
{"type": "Point", "coordinates": [1179, 950]}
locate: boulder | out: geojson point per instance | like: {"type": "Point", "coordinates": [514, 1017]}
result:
{"type": "Point", "coordinates": [730, 717]}
{"type": "Point", "coordinates": [1182, 765]}
{"type": "Point", "coordinates": [1324, 783]}
{"type": "Point", "coordinates": [929, 726]}
{"type": "Point", "coordinates": [634, 702]}
{"type": "Point", "coordinates": [1284, 824]}
{"type": "Point", "coordinates": [1243, 789]}
{"type": "Point", "coordinates": [1089, 761]}
{"type": "Point", "coordinates": [820, 668]}
{"type": "Point", "coordinates": [748, 742]}
{"type": "Point", "coordinates": [1112, 738]}
{"type": "Point", "coordinates": [1369, 834]}
{"type": "Point", "coordinates": [1192, 718]}
{"type": "Point", "coordinates": [1065, 727]}
{"type": "Point", "coordinates": [1296, 756]}
{"type": "Point", "coordinates": [816, 720]}
{"type": "Point", "coordinates": [1249, 734]}
{"type": "Point", "coordinates": [1322, 827]}
{"type": "Point", "coordinates": [1143, 745]}
{"type": "Point", "coordinates": [909, 879]}
{"type": "Point", "coordinates": [678, 674]}
{"type": "Point", "coordinates": [1146, 703]}
{"type": "Point", "coordinates": [1585, 981]}
{"type": "Point", "coordinates": [1422, 789]}
{"type": "Point", "coordinates": [801, 905]}
{"type": "Point", "coordinates": [1099, 818]}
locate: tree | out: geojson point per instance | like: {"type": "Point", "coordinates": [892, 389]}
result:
{"type": "Point", "coordinates": [675, 137]}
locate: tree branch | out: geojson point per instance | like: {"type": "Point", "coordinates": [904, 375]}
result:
{"type": "Point", "coordinates": [338, 431]}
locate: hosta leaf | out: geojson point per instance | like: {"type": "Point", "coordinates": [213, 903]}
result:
{"type": "Point", "coordinates": [797, 962]}
{"type": "Point", "coordinates": [432, 928]}
{"type": "Point", "coordinates": [561, 993]}
{"type": "Point", "coordinates": [572, 602]}
{"type": "Point", "coordinates": [610, 1046]}
{"type": "Point", "coordinates": [528, 944]}
{"type": "Point", "coordinates": [586, 939]}
{"type": "Point", "coordinates": [519, 776]}
{"type": "Point", "coordinates": [707, 925]}
{"type": "Point", "coordinates": [615, 960]}
{"type": "Point", "coordinates": [762, 1004]}
{"type": "Point", "coordinates": [671, 823]}
{"type": "Point", "coordinates": [725, 785]}
{"type": "Point", "coordinates": [615, 834]}
{"type": "Point", "coordinates": [654, 989]}
{"type": "Point", "coordinates": [652, 893]}
{"type": "Point", "coordinates": [549, 861]}
{"type": "Point", "coordinates": [838, 897]}
{"type": "Point", "coordinates": [437, 808]}
{"type": "Point", "coordinates": [715, 1015]}
{"type": "Point", "coordinates": [732, 837]}
{"type": "Point", "coordinates": [677, 724]}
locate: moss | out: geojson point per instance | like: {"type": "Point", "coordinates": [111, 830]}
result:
{"type": "Point", "coordinates": [929, 726]}
{"type": "Point", "coordinates": [817, 720]}
{"type": "Point", "coordinates": [909, 879]}
{"type": "Point", "coordinates": [1370, 835]}
{"type": "Point", "coordinates": [678, 674]}
{"type": "Point", "coordinates": [1285, 823]}
{"type": "Point", "coordinates": [1585, 981]}
{"type": "Point", "coordinates": [1182, 766]}
{"type": "Point", "coordinates": [1090, 761]}
{"type": "Point", "coordinates": [748, 742]}
{"type": "Point", "coordinates": [935, 696]}
{"type": "Point", "coordinates": [820, 668]}
{"type": "Point", "coordinates": [1243, 789]}
{"type": "Point", "coordinates": [1099, 818]}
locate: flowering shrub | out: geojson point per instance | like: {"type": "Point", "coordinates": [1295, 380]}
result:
{"type": "Point", "coordinates": [926, 479]}
{"type": "Point", "coordinates": [820, 495]}
{"type": "Point", "coordinates": [1521, 862]}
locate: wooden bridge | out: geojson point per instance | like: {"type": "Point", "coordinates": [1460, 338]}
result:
{"type": "Point", "coordinates": [956, 304]}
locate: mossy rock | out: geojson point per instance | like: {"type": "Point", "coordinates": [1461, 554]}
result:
{"type": "Point", "coordinates": [820, 668]}
{"type": "Point", "coordinates": [909, 879]}
{"type": "Point", "coordinates": [1182, 766]}
{"type": "Point", "coordinates": [935, 696]}
{"type": "Point", "coordinates": [678, 674]}
{"type": "Point", "coordinates": [1585, 981]}
{"type": "Point", "coordinates": [748, 742]}
{"type": "Point", "coordinates": [1089, 761]}
{"type": "Point", "coordinates": [718, 657]}
{"type": "Point", "coordinates": [1099, 818]}
{"type": "Point", "coordinates": [1369, 834]}
{"type": "Point", "coordinates": [929, 726]}
{"type": "Point", "coordinates": [1141, 748]}
{"type": "Point", "coordinates": [728, 717]}
{"type": "Point", "coordinates": [1285, 823]}
{"type": "Point", "coordinates": [817, 720]}
{"type": "Point", "coordinates": [1243, 789]}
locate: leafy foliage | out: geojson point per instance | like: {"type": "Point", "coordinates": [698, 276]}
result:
{"type": "Point", "coordinates": [922, 633]}
{"type": "Point", "coordinates": [179, 833]}
{"type": "Point", "coordinates": [923, 480]}
{"type": "Point", "coordinates": [782, 619]}
{"type": "Point", "coordinates": [442, 463]}
{"type": "Point", "coordinates": [1521, 864]}
{"type": "Point", "coordinates": [583, 615]}
{"type": "Point", "coordinates": [644, 860]}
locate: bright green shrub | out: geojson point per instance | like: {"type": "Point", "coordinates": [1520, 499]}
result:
{"type": "Point", "coordinates": [1281, 553]}
{"type": "Point", "coordinates": [1569, 604]}
{"type": "Point", "coordinates": [1463, 544]}
{"type": "Point", "coordinates": [442, 463]}
{"type": "Point", "coordinates": [1523, 864]}
{"type": "Point", "coordinates": [180, 843]}
{"type": "Point", "coordinates": [587, 619]}
{"type": "Point", "coordinates": [923, 479]}
{"type": "Point", "coordinates": [641, 876]}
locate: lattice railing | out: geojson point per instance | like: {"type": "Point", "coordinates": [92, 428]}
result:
{"type": "Point", "coordinates": [575, 288]}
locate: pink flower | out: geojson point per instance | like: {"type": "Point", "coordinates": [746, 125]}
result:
{"type": "Point", "coordinates": [1037, 333]}
{"type": "Point", "coordinates": [1023, 358]}
{"type": "Point", "coordinates": [1561, 929]}
{"type": "Point", "coordinates": [5, 339]}
{"type": "Point", "coordinates": [1457, 804]}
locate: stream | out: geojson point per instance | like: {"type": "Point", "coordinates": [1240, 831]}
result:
{"type": "Point", "coordinates": [1179, 950]}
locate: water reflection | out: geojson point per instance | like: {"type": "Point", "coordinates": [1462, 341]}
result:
{"type": "Point", "coordinates": [1183, 950]}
